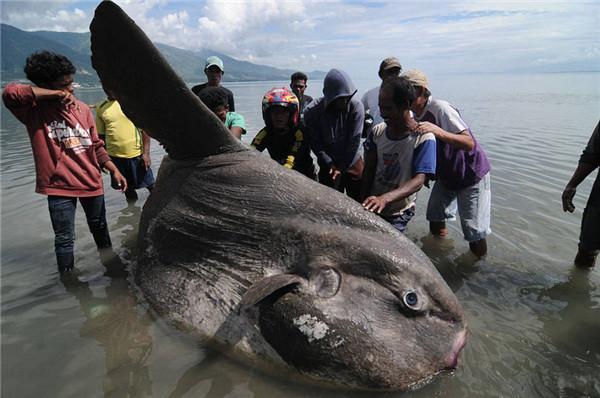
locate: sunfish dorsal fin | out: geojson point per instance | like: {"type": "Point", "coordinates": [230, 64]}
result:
{"type": "Point", "coordinates": [150, 93]}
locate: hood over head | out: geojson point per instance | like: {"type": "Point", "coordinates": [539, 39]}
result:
{"type": "Point", "coordinates": [337, 83]}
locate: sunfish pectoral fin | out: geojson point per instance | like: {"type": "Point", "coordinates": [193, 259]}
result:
{"type": "Point", "coordinates": [150, 93]}
{"type": "Point", "coordinates": [267, 286]}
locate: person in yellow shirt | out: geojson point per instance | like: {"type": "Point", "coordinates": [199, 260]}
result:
{"type": "Point", "coordinates": [127, 145]}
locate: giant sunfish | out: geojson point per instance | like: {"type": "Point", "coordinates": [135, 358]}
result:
{"type": "Point", "coordinates": [273, 268]}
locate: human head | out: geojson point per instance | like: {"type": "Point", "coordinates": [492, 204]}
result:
{"type": "Point", "coordinates": [419, 81]}
{"type": "Point", "coordinates": [50, 70]}
{"type": "Point", "coordinates": [389, 67]}
{"type": "Point", "coordinates": [298, 83]}
{"type": "Point", "coordinates": [215, 99]}
{"type": "Point", "coordinates": [338, 89]}
{"type": "Point", "coordinates": [395, 99]}
{"type": "Point", "coordinates": [213, 69]}
{"type": "Point", "coordinates": [280, 98]}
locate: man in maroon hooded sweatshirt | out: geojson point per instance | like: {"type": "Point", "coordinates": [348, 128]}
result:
{"type": "Point", "coordinates": [67, 152]}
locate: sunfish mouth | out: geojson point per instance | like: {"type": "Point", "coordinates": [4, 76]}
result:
{"type": "Point", "coordinates": [457, 346]}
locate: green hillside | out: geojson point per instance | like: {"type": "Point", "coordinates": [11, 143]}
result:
{"type": "Point", "coordinates": [17, 44]}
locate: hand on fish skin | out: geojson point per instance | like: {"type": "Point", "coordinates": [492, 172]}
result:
{"type": "Point", "coordinates": [567, 199]}
{"type": "Point", "coordinates": [375, 203]}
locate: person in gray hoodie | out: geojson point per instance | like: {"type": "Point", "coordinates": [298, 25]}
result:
{"type": "Point", "coordinates": [334, 125]}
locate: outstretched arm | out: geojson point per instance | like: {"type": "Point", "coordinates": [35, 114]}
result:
{"type": "Point", "coordinates": [376, 204]}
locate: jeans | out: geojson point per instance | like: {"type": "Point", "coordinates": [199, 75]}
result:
{"type": "Point", "coordinates": [62, 215]}
{"type": "Point", "coordinates": [473, 204]}
{"type": "Point", "coordinates": [399, 222]}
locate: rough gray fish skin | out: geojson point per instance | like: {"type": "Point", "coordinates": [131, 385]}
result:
{"type": "Point", "coordinates": [274, 268]}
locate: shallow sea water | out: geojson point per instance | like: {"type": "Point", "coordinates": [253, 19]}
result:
{"type": "Point", "coordinates": [534, 319]}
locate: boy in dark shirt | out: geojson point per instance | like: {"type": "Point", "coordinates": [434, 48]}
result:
{"type": "Point", "coordinates": [334, 124]}
{"type": "Point", "coordinates": [214, 71]}
{"type": "Point", "coordinates": [298, 84]}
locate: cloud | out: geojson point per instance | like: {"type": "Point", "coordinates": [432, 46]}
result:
{"type": "Point", "coordinates": [461, 37]}
{"type": "Point", "coordinates": [453, 36]}
{"type": "Point", "coordinates": [43, 15]}
{"type": "Point", "coordinates": [230, 26]}
{"type": "Point", "coordinates": [174, 21]}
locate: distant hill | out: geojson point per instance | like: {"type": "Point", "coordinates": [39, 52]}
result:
{"type": "Point", "coordinates": [18, 44]}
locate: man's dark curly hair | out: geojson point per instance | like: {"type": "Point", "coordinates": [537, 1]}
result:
{"type": "Point", "coordinates": [213, 97]}
{"type": "Point", "coordinates": [45, 67]}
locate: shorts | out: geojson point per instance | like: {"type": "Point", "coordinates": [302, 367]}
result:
{"type": "Point", "coordinates": [473, 204]}
{"type": "Point", "coordinates": [400, 221]}
{"type": "Point", "coordinates": [134, 172]}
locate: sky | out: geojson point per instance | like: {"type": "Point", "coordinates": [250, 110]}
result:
{"type": "Point", "coordinates": [435, 36]}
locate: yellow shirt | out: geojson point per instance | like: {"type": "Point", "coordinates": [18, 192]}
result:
{"type": "Point", "coordinates": [122, 138]}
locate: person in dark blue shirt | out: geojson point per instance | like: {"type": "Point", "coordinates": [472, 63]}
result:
{"type": "Point", "coordinates": [334, 124]}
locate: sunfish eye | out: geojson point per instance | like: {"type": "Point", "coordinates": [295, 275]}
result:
{"type": "Point", "coordinates": [411, 300]}
{"type": "Point", "coordinates": [326, 282]}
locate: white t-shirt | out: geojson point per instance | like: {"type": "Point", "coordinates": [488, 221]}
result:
{"type": "Point", "coordinates": [399, 160]}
